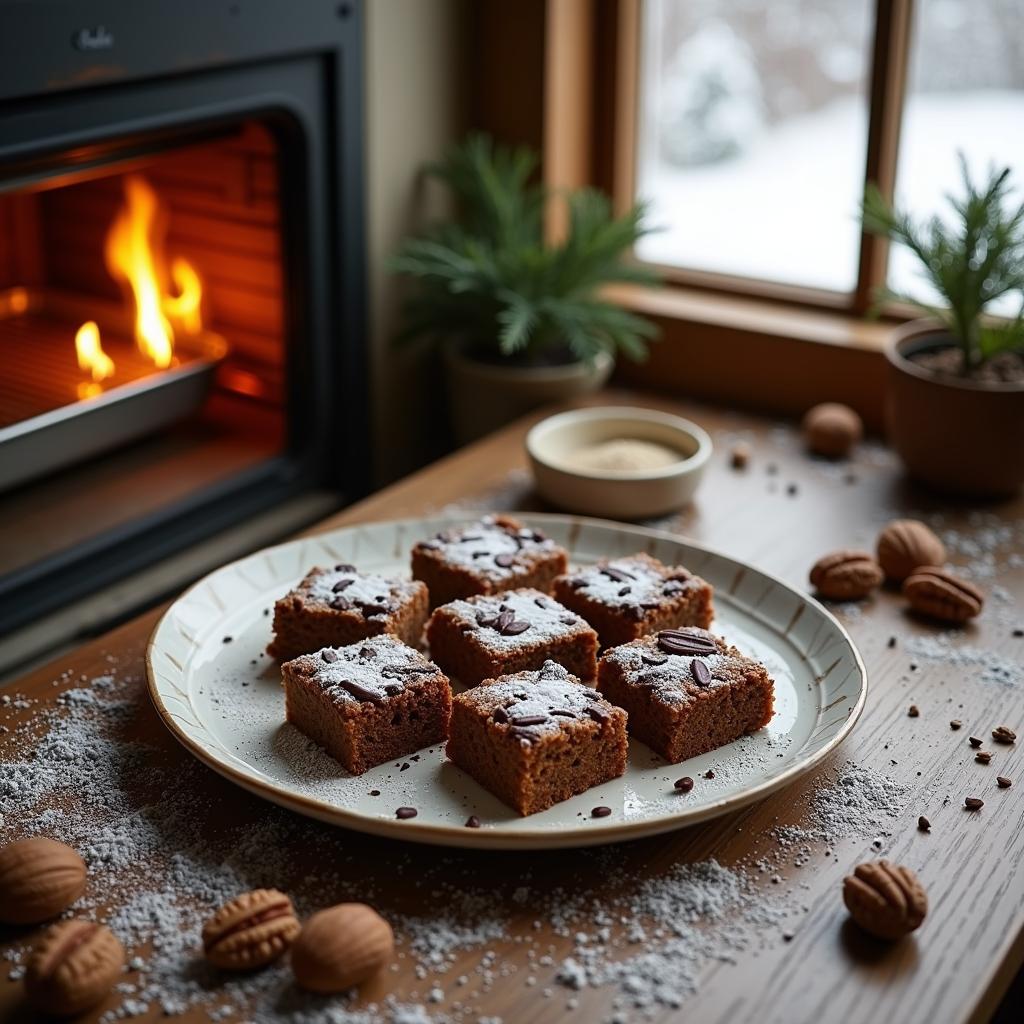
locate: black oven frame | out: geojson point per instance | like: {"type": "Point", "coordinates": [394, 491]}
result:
{"type": "Point", "coordinates": [86, 83]}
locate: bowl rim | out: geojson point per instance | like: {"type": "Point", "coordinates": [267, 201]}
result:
{"type": "Point", "coordinates": [682, 467]}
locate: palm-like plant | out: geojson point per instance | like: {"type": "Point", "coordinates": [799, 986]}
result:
{"type": "Point", "coordinates": [489, 280]}
{"type": "Point", "coordinates": [971, 262]}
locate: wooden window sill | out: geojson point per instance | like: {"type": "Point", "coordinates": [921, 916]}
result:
{"type": "Point", "coordinates": [757, 354]}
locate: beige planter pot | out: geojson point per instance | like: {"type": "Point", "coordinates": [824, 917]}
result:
{"type": "Point", "coordinates": [956, 435]}
{"type": "Point", "coordinates": [485, 396]}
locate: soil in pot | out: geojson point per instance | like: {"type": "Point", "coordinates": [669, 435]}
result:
{"type": "Point", "coordinates": [1005, 368]}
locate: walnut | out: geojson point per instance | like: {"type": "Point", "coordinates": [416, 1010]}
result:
{"type": "Point", "coordinates": [885, 899]}
{"type": "Point", "coordinates": [906, 544]}
{"type": "Point", "coordinates": [832, 430]}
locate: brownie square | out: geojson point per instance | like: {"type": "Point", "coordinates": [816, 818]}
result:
{"type": "Point", "coordinates": [368, 703]}
{"type": "Point", "coordinates": [339, 606]}
{"type": "Point", "coordinates": [625, 598]}
{"type": "Point", "coordinates": [536, 738]}
{"type": "Point", "coordinates": [494, 635]}
{"type": "Point", "coordinates": [496, 553]}
{"type": "Point", "coordinates": [687, 691]}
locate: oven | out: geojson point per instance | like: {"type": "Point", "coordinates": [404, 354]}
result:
{"type": "Point", "coordinates": [181, 283]}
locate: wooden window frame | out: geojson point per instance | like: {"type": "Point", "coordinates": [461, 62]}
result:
{"type": "Point", "coordinates": [724, 337]}
{"type": "Point", "coordinates": [887, 86]}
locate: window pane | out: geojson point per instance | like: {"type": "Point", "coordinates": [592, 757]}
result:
{"type": "Point", "coordinates": [966, 93]}
{"type": "Point", "coordinates": [752, 136]}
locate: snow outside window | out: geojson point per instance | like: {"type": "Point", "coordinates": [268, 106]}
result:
{"type": "Point", "coordinates": [753, 134]}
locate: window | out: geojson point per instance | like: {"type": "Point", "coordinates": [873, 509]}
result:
{"type": "Point", "coordinates": [753, 136]}
{"type": "Point", "coordinates": [755, 125]}
{"type": "Point", "coordinates": [965, 95]}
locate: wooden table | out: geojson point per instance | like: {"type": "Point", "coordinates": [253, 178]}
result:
{"type": "Point", "coordinates": [781, 513]}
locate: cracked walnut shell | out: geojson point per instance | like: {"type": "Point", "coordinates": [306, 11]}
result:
{"type": "Point", "coordinates": [906, 544]}
{"type": "Point", "coordinates": [846, 575]}
{"type": "Point", "coordinates": [341, 947]}
{"type": "Point", "coordinates": [73, 967]}
{"type": "Point", "coordinates": [935, 592]}
{"type": "Point", "coordinates": [885, 899]}
{"type": "Point", "coordinates": [251, 931]}
{"type": "Point", "coordinates": [39, 878]}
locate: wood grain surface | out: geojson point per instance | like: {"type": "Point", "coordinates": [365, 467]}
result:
{"type": "Point", "coordinates": [780, 514]}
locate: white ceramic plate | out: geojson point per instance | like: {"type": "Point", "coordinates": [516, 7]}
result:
{"type": "Point", "coordinates": [223, 700]}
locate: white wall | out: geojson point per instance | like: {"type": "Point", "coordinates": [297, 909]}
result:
{"type": "Point", "coordinates": [414, 108]}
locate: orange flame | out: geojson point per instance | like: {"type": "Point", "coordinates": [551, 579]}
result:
{"type": "Point", "coordinates": [91, 357]}
{"type": "Point", "coordinates": [134, 256]}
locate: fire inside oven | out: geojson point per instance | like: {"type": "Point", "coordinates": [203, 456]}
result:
{"type": "Point", "coordinates": [138, 296]}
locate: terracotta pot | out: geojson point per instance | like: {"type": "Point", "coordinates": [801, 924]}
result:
{"type": "Point", "coordinates": [485, 396]}
{"type": "Point", "coordinates": [956, 435]}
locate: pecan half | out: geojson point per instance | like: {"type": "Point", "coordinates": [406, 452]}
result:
{"type": "Point", "coordinates": [935, 592]}
{"type": "Point", "coordinates": [252, 930]}
{"type": "Point", "coordinates": [846, 575]}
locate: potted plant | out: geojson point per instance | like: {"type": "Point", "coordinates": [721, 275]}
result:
{"type": "Point", "coordinates": [520, 322]}
{"type": "Point", "coordinates": [956, 379]}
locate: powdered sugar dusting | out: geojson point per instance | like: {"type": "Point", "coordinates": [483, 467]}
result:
{"type": "Point", "coordinates": [378, 667]}
{"type": "Point", "coordinates": [493, 547]}
{"type": "Point", "coordinates": [546, 618]}
{"type": "Point", "coordinates": [359, 588]}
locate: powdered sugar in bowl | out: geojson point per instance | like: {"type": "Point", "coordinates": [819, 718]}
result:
{"type": "Point", "coordinates": [617, 461]}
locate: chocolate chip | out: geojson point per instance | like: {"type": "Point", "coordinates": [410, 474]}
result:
{"type": "Point", "coordinates": [653, 659]}
{"type": "Point", "coordinates": [227, 639]}
{"type": "Point", "coordinates": [375, 609]}
{"type": "Point", "coordinates": [1003, 782]}
{"type": "Point", "coordinates": [406, 812]}
{"type": "Point", "coordinates": [701, 673]}
{"type": "Point", "coordinates": [956, 724]}
{"type": "Point", "coordinates": [686, 641]}
{"type": "Point", "coordinates": [405, 767]}
{"type": "Point", "coordinates": [484, 619]}
{"type": "Point", "coordinates": [393, 689]}
{"type": "Point", "coordinates": [524, 720]}
{"type": "Point", "coordinates": [341, 604]}
{"type": "Point", "coordinates": [892, 642]}
{"type": "Point", "coordinates": [1018, 633]}
{"type": "Point", "coordinates": [344, 567]}
{"type": "Point", "coordinates": [499, 714]}
{"type": "Point", "coordinates": [623, 591]}
{"type": "Point", "coordinates": [328, 655]}
{"type": "Point", "coordinates": [504, 560]}
{"type": "Point", "coordinates": [619, 575]}
{"type": "Point", "coordinates": [923, 824]}
{"type": "Point", "coordinates": [983, 757]}
{"type": "Point", "coordinates": [361, 692]}
{"type": "Point", "coordinates": [972, 803]}
{"type": "Point", "coordinates": [672, 587]}
{"type": "Point", "coordinates": [567, 620]}
{"type": "Point", "coordinates": [480, 554]}
{"type": "Point", "coordinates": [575, 582]}
{"type": "Point", "coordinates": [974, 741]}
{"type": "Point", "coordinates": [515, 628]}
{"type": "Point", "coordinates": [470, 537]}
{"type": "Point", "coordinates": [367, 652]}
{"type": "Point", "coordinates": [562, 713]}
{"type": "Point", "coordinates": [472, 821]}
{"type": "Point", "coordinates": [597, 713]}
{"type": "Point", "coordinates": [913, 711]}
{"type": "Point", "coordinates": [540, 602]}
{"type": "Point", "coordinates": [374, 792]}
{"type": "Point", "coordinates": [684, 785]}
{"type": "Point", "coordinates": [709, 774]}
{"type": "Point", "coordinates": [635, 612]}
{"type": "Point", "coordinates": [600, 812]}
{"type": "Point", "coordinates": [1004, 734]}
{"type": "Point", "coordinates": [505, 619]}
{"type": "Point", "coordinates": [341, 585]}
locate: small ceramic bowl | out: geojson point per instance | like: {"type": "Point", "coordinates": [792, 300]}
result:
{"type": "Point", "coordinates": [617, 494]}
